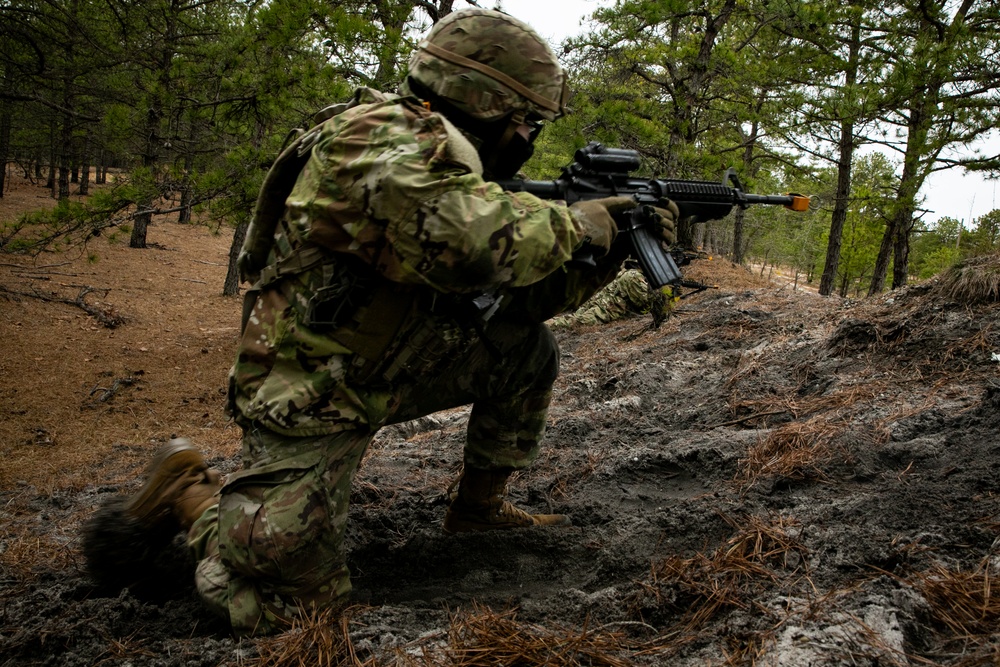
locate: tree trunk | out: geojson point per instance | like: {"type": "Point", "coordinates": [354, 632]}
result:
{"type": "Point", "coordinates": [882, 261]}
{"type": "Point", "coordinates": [738, 242]}
{"type": "Point", "coordinates": [184, 215]}
{"type": "Point", "coordinates": [896, 240]}
{"type": "Point", "coordinates": [51, 182]}
{"type": "Point", "coordinates": [101, 170]}
{"type": "Point", "coordinates": [750, 142]}
{"type": "Point", "coordinates": [67, 133]}
{"type": "Point", "coordinates": [140, 228]}
{"type": "Point", "coordinates": [845, 158]}
{"type": "Point", "coordinates": [232, 285]}
{"type": "Point", "coordinates": [901, 250]}
{"type": "Point", "coordinates": [85, 169]}
{"type": "Point", "coordinates": [393, 17]}
{"type": "Point", "coordinates": [66, 139]}
{"type": "Point", "coordinates": [840, 206]}
{"type": "Point", "coordinates": [154, 115]}
{"type": "Point", "coordinates": [698, 240]}
{"type": "Point", "coordinates": [4, 144]}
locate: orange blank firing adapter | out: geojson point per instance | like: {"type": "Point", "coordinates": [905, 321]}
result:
{"type": "Point", "coordinates": [799, 202]}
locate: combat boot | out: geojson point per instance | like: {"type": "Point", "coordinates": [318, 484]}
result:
{"type": "Point", "coordinates": [179, 487]}
{"type": "Point", "coordinates": [129, 541]}
{"type": "Point", "coordinates": [480, 505]}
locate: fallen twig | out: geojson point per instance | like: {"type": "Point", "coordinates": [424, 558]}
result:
{"type": "Point", "coordinates": [107, 317]}
{"type": "Point", "coordinates": [108, 393]}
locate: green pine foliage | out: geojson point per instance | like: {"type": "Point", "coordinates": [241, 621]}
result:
{"type": "Point", "coordinates": [184, 105]}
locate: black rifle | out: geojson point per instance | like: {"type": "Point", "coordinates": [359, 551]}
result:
{"type": "Point", "coordinates": [598, 172]}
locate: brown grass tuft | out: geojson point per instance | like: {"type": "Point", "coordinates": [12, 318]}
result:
{"type": "Point", "coordinates": [793, 451]}
{"type": "Point", "coordinates": [732, 577]}
{"type": "Point", "coordinates": [485, 637]}
{"type": "Point", "coordinates": [975, 280]}
{"type": "Point", "coordinates": [318, 640]}
{"type": "Point", "coordinates": [27, 552]}
{"type": "Point", "coordinates": [964, 601]}
{"type": "Point", "coordinates": [125, 649]}
{"type": "Point", "coordinates": [747, 649]}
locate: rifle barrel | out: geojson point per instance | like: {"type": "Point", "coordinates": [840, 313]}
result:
{"type": "Point", "coordinates": [541, 189]}
{"type": "Point", "coordinates": [681, 191]}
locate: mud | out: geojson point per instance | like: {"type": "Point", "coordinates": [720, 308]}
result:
{"type": "Point", "coordinates": [770, 478]}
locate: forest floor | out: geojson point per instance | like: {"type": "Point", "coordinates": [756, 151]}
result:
{"type": "Point", "coordinates": [770, 478]}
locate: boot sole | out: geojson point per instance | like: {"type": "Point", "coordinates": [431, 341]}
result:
{"type": "Point", "coordinates": [168, 464]}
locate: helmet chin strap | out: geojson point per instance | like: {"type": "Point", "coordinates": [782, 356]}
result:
{"type": "Point", "coordinates": [495, 151]}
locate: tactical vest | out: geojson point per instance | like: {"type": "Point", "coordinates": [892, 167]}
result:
{"type": "Point", "coordinates": [270, 206]}
{"type": "Point", "coordinates": [368, 315]}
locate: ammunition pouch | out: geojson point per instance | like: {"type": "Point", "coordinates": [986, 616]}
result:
{"type": "Point", "coordinates": [418, 349]}
{"type": "Point", "coordinates": [406, 333]}
{"type": "Point", "coordinates": [395, 331]}
{"type": "Point", "coordinates": [336, 300]}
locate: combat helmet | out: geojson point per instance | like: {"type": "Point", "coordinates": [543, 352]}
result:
{"type": "Point", "coordinates": [489, 65]}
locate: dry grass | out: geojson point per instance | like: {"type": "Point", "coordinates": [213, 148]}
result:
{"type": "Point", "coordinates": [25, 549]}
{"type": "Point", "coordinates": [756, 386]}
{"type": "Point", "coordinates": [719, 271]}
{"type": "Point", "coordinates": [320, 639]}
{"type": "Point", "coordinates": [567, 472]}
{"type": "Point", "coordinates": [793, 451]}
{"type": "Point", "coordinates": [959, 354]}
{"type": "Point", "coordinates": [988, 656]}
{"type": "Point", "coordinates": [162, 375]}
{"type": "Point", "coordinates": [125, 649]}
{"type": "Point", "coordinates": [976, 280]}
{"type": "Point", "coordinates": [482, 636]}
{"type": "Point", "coordinates": [849, 399]}
{"type": "Point", "coordinates": [964, 601]}
{"type": "Point", "coordinates": [479, 636]}
{"type": "Point", "coordinates": [747, 651]}
{"type": "Point", "coordinates": [732, 577]}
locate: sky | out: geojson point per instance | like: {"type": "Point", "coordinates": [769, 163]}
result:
{"type": "Point", "coordinates": [951, 193]}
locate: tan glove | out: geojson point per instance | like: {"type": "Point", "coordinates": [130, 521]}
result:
{"type": "Point", "coordinates": [596, 218]}
{"type": "Point", "coordinates": [666, 228]}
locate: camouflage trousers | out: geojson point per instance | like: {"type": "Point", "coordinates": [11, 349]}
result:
{"type": "Point", "coordinates": [273, 548]}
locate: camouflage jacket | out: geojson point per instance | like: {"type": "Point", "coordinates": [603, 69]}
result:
{"type": "Point", "coordinates": [394, 192]}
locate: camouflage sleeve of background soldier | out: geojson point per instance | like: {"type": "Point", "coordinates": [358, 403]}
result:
{"type": "Point", "coordinates": [628, 293]}
{"type": "Point", "coordinates": [563, 290]}
{"type": "Point", "coordinates": [420, 214]}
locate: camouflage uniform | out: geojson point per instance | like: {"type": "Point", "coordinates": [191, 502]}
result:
{"type": "Point", "coordinates": [628, 294]}
{"type": "Point", "coordinates": [394, 232]}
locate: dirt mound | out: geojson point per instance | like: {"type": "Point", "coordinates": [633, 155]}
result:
{"type": "Point", "coordinates": [769, 478]}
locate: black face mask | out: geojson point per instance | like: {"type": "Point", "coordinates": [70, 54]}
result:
{"type": "Point", "coordinates": [509, 161]}
{"type": "Point", "coordinates": [501, 164]}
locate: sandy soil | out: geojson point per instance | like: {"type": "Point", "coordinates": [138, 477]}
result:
{"type": "Point", "coordinates": [771, 478]}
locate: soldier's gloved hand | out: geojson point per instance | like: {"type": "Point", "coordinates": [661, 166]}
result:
{"type": "Point", "coordinates": [596, 218]}
{"type": "Point", "coordinates": [666, 227]}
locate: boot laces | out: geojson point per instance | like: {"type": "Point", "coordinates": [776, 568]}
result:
{"type": "Point", "coordinates": [512, 511]}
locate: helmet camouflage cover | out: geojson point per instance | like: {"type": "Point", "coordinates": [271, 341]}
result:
{"type": "Point", "coordinates": [489, 64]}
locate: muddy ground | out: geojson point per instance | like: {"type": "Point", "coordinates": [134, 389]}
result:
{"type": "Point", "coordinates": [770, 478]}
